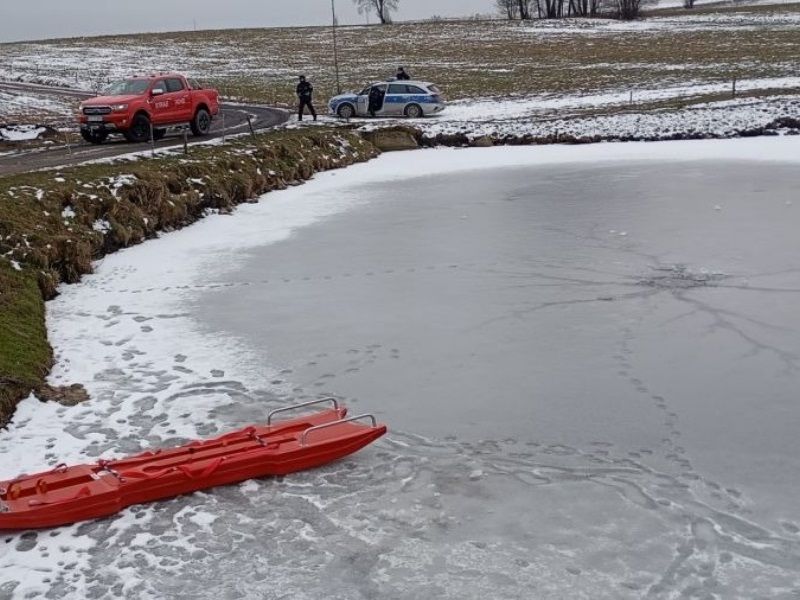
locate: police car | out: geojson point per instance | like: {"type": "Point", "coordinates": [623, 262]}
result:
{"type": "Point", "coordinates": [413, 99]}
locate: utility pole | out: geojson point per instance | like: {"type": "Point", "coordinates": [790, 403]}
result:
{"type": "Point", "coordinates": [335, 47]}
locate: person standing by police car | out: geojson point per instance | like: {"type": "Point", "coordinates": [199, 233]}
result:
{"type": "Point", "coordinates": [304, 93]}
{"type": "Point", "coordinates": [402, 75]}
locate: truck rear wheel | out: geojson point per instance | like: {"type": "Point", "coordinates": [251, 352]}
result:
{"type": "Point", "coordinates": [140, 129]}
{"type": "Point", "coordinates": [94, 137]}
{"type": "Point", "coordinates": [201, 124]}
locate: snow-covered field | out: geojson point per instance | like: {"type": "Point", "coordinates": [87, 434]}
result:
{"type": "Point", "coordinates": [615, 504]}
{"type": "Point", "coordinates": [655, 78]}
{"type": "Point", "coordinates": [615, 119]}
{"type": "Point", "coordinates": [564, 58]}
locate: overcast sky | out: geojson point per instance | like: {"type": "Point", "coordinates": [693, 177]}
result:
{"type": "Point", "coordinates": [38, 19]}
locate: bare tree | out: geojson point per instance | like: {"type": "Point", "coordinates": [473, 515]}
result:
{"type": "Point", "coordinates": [628, 9]}
{"type": "Point", "coordinates": [382, 8]}
{"type": "Point", "coordinates": [688, 3]}
{"type": "Point", "coordinates": [515, 9]}
{"type": "Point", "coordinates": [551, 9]}
{"type": "Point", "coordinates": [583, 8]}
{"type": "Point", "coordinates": [507, 8]}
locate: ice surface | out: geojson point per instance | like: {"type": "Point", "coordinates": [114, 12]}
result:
{"type": "Point", "coordinates": [574, 412]}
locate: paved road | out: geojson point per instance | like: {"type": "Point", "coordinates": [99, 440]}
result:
{"type": "Point", "coordinates": [232, 120]}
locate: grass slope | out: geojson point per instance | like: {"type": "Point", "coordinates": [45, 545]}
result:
{"type": "Point", "coordinates": [54, 224]}
{"type": "Point", "coordinates": [25, 355]}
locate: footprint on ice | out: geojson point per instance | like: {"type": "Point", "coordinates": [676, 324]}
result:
{"type": "Point", "coordinates": [790, 527]}
{"type": "Point", "coordinates": [27, 541]}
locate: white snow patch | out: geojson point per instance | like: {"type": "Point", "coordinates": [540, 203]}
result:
{"type": "Point", "coordinates": [20, 133]}
{"type": "Point", "coordinates": [101, 225]}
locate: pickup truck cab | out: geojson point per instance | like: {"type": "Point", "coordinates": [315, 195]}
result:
{"type": "Point", "coordinates": [136, 106]}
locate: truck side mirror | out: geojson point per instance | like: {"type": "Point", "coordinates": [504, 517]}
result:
{"type": "Point", "coordinates": [157, 91]}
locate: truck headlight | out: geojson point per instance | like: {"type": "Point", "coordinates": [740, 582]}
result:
{"type": "Point", "coordinates": [119, 107]}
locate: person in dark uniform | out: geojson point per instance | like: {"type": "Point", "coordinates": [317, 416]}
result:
{"type": "Point", "coordinates": [304, 93]}
{"type": "Point", "coordinates": [402, 75]}
{"type": "Point", "coordinates": [375, 100]}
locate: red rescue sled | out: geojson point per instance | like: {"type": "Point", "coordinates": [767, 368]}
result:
{"type": "Point", "coordinates": [68, 494]}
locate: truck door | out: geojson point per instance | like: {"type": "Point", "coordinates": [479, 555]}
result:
{"type": "Point", "coordinates": [160, 105]}
{"type": "Point", "coordinates": [180, 99]}
{"type": "Point", "coordinates": [396, 99]}
{"type": "Point", "coordinates": [362, 101]}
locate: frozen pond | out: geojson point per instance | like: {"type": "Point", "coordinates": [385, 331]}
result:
{"type": "Point", "coordinates": [589, 370]}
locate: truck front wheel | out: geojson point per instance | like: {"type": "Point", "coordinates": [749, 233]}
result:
{"type": "Point", "coordinates": [140, 129]}
{"type": "Point", "coordinates": [201, 124]}
{"type": "Point", "coordinates": [94, 137]}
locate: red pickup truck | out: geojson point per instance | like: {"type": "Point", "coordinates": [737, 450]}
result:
{"type": "Point", "coordinates": [134, 107]}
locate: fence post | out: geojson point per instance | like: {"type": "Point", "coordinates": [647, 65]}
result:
{"type": "Point", "coordinates": [186, 140]}
{"type": "Point", "coordinates": [152, 141]}
{"type": "Point", "coordinates": [733, 90]}
{"type": "Point", "coordinates": [630, 98]}
{"type": "Point", "coordinates": [250, 124]}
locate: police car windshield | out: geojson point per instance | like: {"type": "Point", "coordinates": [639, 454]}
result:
{"type": "Point", "coordinates": [127, 87]}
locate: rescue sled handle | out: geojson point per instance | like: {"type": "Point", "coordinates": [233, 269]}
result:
{"type": "Point", "coordinates": [303, 405]}
{"type": "Point", "coordinates": [334, 423]}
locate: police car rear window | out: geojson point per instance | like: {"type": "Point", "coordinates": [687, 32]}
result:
{"type": "Point", "coordinates": [412, 89]}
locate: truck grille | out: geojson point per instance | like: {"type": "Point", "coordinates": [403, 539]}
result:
{"type": "Point", "coordinates": [97, 110]}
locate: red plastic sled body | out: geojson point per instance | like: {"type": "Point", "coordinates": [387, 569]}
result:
{"type": "Point", "coordinates": [66, 495]}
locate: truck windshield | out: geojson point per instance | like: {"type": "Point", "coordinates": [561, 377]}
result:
{"type": "Point", "coordinates": [127, 87]}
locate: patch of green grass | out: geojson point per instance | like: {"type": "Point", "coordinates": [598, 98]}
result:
{"type": "Point", "coordinates": [25, 355]}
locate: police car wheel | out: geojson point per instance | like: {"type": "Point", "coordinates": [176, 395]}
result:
{"type": "Point", "coordinates": [346, 111]}
{"type": "Point", "coordinates": [413, 111]}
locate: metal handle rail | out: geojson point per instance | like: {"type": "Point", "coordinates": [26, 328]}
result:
{"type": "Point", "coordinates": [334, 423]}
{"type": "Point", "coordinates": [303, 405]}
